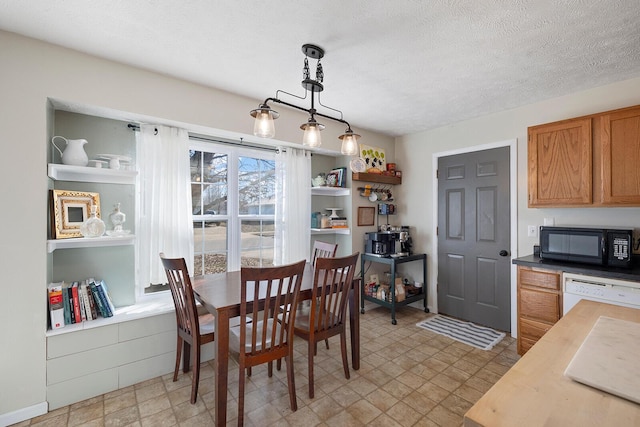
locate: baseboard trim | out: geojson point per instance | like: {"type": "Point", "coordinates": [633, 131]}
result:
{"type": "Point", "coordinates": [23, 414]}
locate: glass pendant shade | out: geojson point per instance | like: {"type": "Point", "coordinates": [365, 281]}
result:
{"type": "Point", "coordinates": [263, 125]}
{"type": "Point", "coordinates": [349, 143]}
{"type": "Point", "coordinates": [311, 137]}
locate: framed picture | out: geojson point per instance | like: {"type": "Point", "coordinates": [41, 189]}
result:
{"type": "Point", "coordinates": [373, 157]}
{"type": "Point", "coordinates": [366, 215]}
{"type": "Point", "coordinates": [337, 177]}
{"type": "Point", "coordinates": [69, 209]}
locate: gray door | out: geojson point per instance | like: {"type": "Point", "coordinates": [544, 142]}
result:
{"type": "Point", "coordinates": [474, 280]}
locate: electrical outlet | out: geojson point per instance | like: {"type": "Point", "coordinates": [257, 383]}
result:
{"type": "Point", "coordinates": [532, 231]}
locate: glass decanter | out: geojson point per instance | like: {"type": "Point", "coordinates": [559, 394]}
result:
{"type": "Point", "coordinates": [93, 226]}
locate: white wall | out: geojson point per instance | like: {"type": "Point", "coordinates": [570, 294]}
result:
{"type": "Point", "coordinates": [414, 156]}
{"type": "Point", "coordinates": [30, 73]}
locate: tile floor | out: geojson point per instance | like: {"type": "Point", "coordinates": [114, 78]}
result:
{"type": "Point", "coordinates": [408, 377]}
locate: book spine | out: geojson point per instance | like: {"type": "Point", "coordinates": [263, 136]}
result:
{"type": "Point", "coordinates": [85, 300]}
{"type": "Point", "coordinates": [76, 303]}
{"type": "Point", "coordinates": [83, 314]}
{"type": "Point", "coordinates": [65, 301]}
{"type": "Point", "coordinates": [112, 308]}
{"type": "Point", "coordinates": [98, 300]}
{"type": "Point", "coordinates": [104, 298]}
{"type": "Point", "coordinates": [72, 313]}
{"type": "Point", "coordinates": [92, 303]}
{"type": "Point", "coordinates": [56, 305]}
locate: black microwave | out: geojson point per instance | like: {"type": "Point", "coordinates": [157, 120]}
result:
{"type": "Point", "coordinates": [601, 246]}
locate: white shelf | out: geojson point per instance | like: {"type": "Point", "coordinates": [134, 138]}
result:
{"type": "Point", "coordinates": [90, 174]}
{"type": "Point", "coordinates": [330, 231]}
{"type": "Point", "coordinates": [89, 242]}
{"type": "Point", "coordinates": [330, 191]}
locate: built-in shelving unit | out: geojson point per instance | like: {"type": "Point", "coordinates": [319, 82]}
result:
{"type": "Point", "coordinates": [59, 172]}
{"type": "Point", "coordinates": [332, 192]}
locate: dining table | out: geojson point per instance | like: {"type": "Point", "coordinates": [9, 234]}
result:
{"type": "Point", "coordinates": [220, 294]}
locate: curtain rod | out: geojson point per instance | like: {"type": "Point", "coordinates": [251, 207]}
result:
{"type": "Point", "coordinates": [136, 128]}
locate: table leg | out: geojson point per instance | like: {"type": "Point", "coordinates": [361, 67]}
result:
{"type": "Point", "coordinates": [424, 282]}
{"type": "Point", "coordinates": [354, 324]}
{"type": "Point", "coordinates": [362, 283]}
{"type": "Point", "coordinates": [221, 366]}
{"type": "Point", "coordinates": [392, 291]}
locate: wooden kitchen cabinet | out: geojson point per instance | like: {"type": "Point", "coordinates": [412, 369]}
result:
{"type": "Point", "coordinates": [589, 161]}
{"type": "Point", "coordinates": [560, 164]}
{"type": "Point", "coordinates": [620, 157]}
{"type": "Point", "coordinates": [539, 304]}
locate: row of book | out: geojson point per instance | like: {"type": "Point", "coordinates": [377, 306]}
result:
{"type": "Point", "coordinates": [77, 302]}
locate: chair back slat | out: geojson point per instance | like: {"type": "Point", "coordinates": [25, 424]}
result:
{"type": "Point", "coordinates": [332, 282]}
{"type": "Point", "coordinates": [182, 294]}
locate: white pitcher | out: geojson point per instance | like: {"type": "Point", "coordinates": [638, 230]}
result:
{"type": "Point", "coordinates": [74, 153]}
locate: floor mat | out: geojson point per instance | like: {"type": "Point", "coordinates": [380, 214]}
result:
{"type": "Point", "coordinates": [477, 336]}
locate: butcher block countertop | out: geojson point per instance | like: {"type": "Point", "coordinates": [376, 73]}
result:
{"type": "Point", "coordinates": [535, 392]}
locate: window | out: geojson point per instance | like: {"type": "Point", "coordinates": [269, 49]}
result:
{"type": "Point", "coordinates": [233, 196]}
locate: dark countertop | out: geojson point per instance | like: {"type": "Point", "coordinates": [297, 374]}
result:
{"type": "Point", "coordinates": [631, 274]}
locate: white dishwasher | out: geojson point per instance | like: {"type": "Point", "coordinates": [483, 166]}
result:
{"type": "Point", "coordinates": [601, 289]}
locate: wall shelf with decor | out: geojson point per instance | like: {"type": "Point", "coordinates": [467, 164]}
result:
{"type": "Point", "coordinates": [330, 191]}
{"type": "Point", "coordinates": [374, 177]}
{"type": "Point", "coordinates": [60, 172]}
{"type": "Point", "coordinates": [330, 231]}
{"type": "Point", "coordinates": [88, 242]}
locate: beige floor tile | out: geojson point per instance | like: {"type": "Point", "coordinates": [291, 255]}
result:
{"type": "Point", "coordinates": [123, 417]}
{"type": "Point", "coordinates": [84, 413]}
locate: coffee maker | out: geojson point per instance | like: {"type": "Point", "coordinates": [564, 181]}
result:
{"type": "Point", "coordinates": [393, 241]}
{"type": "Point", "coordinates": [381, 244]}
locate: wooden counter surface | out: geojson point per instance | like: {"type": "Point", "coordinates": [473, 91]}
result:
{"type": "Point", "coordinates": [535, 392]}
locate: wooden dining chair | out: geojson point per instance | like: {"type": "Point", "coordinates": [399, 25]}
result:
{"type": "Point", "coordinates": [266, 339]}
{"type": "Point", "coordinates": [194, 330]}
{"type": "Point", "coordinates": [332, 283]}
{"type": "Point", "coordinates": [323, 250]}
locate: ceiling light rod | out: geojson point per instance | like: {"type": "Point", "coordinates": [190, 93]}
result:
{"type": "Point", "coordinates": [265, 116]}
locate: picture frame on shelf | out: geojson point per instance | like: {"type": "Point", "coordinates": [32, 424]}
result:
{"type": "Point", "coordinates": [69, 209]}
{"type": "Point", "coordinates": [337, 177]}
{"type": "Point", "coordinates": [366, 215]}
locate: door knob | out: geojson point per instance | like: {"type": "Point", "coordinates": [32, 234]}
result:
{"type": "Point", "coordinates": [504, 253]}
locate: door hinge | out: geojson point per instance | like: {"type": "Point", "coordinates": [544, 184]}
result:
{"type": "Point", "coordinates": [437, 173]}
{"type": "Point", "coordinates": [437, 230]}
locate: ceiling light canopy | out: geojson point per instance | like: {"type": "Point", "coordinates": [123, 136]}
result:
{"type": "Point", "coordinates": [265, 115]}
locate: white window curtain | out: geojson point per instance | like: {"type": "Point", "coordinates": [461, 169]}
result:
{"type": "Point", "coordinates": [293, 206]}
{"type": "Point", "coordinates": [165, 221]}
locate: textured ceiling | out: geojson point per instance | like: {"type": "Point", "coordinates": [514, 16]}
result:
{"type": "Point", "coordinates": [397, 67]}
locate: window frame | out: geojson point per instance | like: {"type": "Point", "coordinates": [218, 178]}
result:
{"type": "Point", "coordinates": [232, 217]}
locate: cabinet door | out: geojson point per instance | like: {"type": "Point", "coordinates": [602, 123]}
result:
{"type": "Point", "coordinates": [560, 164]}
{"type": "Point", "coordinates": [620, 139]}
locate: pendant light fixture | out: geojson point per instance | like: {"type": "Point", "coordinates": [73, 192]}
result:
{"type": "Point", "coordinates": [265, 115]}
